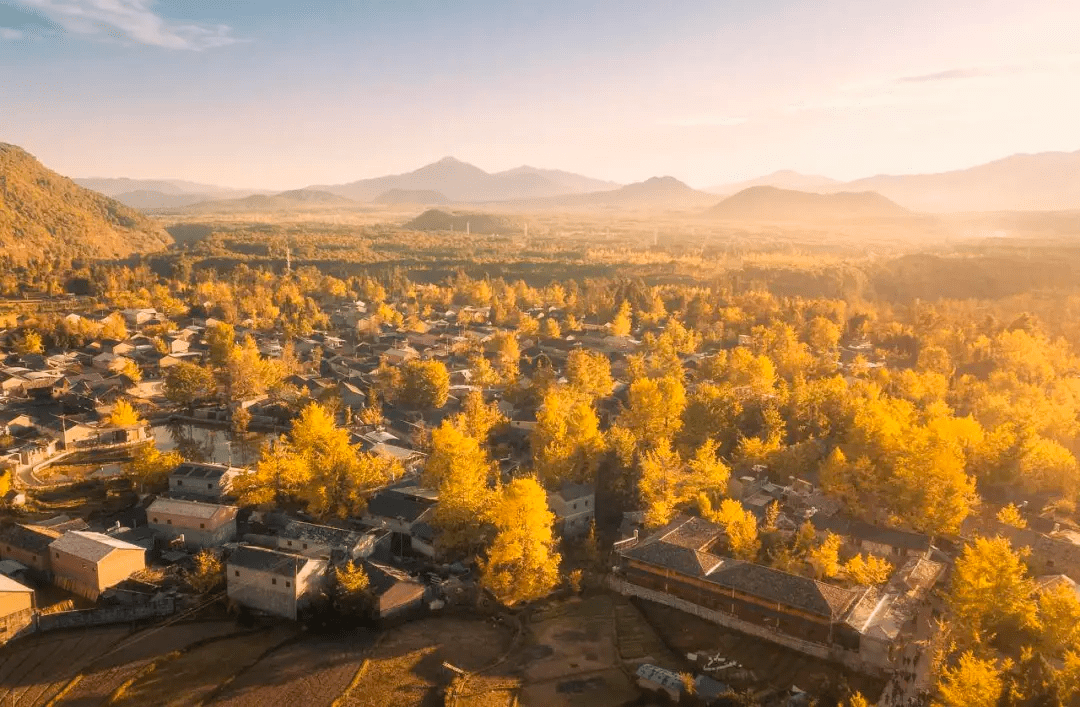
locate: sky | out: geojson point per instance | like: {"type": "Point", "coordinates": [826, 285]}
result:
{"type": "Point", "coordinates": [288, 93]}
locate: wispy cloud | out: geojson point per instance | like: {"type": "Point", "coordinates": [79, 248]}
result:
{"type": "Point", "coordinates": [131, 21]}
{"type": "Point", "coordinates": [9, 34]}
{"type": "Point", "coordinates": [705, 121]}
{"type": "Point", "coordinates": [955, 74]}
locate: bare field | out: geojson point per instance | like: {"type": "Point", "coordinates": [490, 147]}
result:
{"type": "Point", "coordinates": [34, 670]}
{"type": "Point", "coordinates": [313, 671]}
{"type": "Point", "coordinates": [406, 668]}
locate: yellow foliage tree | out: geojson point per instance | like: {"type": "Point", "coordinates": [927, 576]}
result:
{"type": "Point", "coordinates": [739, 524]}
{"type": "Point", "coordinates": [150, 467]}
{"type": "Point", "coordinates": [460, 469]}
{"type": "Point", "coordinates": [991, 589]}
{"type": "Point", "coordinates": [521, 564]}
{"type": "Point", "coordinates": [1010, 515]}
{"type": "Point", "coordinates": [972, 682]}
{"type": "Point", "coordinates": [621, 324]}
{"type": "Point", "coordinates": [566, 442]}
{"type": "Point", "coordinates": [654, 413]}
{"type": "Point", "coordinates": [869, 570]}
{"type": "Point", "coordinates": [825, 558]}
{"type": "Point", "coordinates": [589, 373]}
{"type": "Point", "coordinates": [208, 573]}
{"type": "Point", "coordinates": [124, 415]}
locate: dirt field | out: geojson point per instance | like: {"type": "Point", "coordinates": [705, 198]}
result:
{"type": "Point", "coordinates": [194, 675]}
{"type": "Point", "coordinates": [105, 676]}
{"type": "Point", "coordinates": [33, 670]}
{"type": "Point", "coordinates": [406, 668]}
{"type": "Point", "coordinates": [572, 657]}
{"type": "Point", "coordinates": [313, 671]}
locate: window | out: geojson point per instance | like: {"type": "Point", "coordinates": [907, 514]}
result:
{"type": "Point", "coordinates": [202, 525]}
{"type": "Point", "coordinates": [273, 580]}
{"type": "Point", "coordinates": [179, 482]}
{"type": "Point", "coordinates": [305, 546]}
{"type": "Point", "coordinates": [575, 506]}
{"type": "Point", "coordinates": [209, 486]}
{"type": "Point", "coordinates": [169, 521]}
{"type": "Point", "coordinates": [155, 520]}
{"type": "Point", "coordinates": [289, 543]}
{"type": "Point", "coordinates": [288, 583]}
{"type": "Point", "coordinates": [57, 555]}
{"type": "Point", "coordinates": [236, 573]}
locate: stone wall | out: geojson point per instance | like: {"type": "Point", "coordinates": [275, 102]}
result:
{"type": "Point", "coordinates": [106, 615]}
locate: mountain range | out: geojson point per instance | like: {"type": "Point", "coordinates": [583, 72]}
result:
{"type": "Point", "coordinates": [297, 199]}
{"type": "Point", "coordinates": [1045, 181]}
{"type": "Point", "coordinates": [43, 213]}
{"type": "Point", "coordinates": [765, 203]}
{"type": "Point", "coordinates": [461, 182]}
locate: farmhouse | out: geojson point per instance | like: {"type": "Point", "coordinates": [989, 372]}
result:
{"type": "Point", "coordinates": [277, 583]}
{"type": "Point", "coordinates": [574, 506]}
{"type": "Point", "coordinates": [206, 481]}
{"type": "Point", "coordinates": [201, 524]}
{"type": "Point", "coordinates": [88, 563]}
{"type": "Point", "coordinates": [323, 541]}
{"type": "Point", "coordinates": [29, 546]}
{"type": "Point", "coordinates": [16, 608]}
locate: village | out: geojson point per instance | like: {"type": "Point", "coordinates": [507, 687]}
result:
{"type": "Point", "coordinates": [84, 543]}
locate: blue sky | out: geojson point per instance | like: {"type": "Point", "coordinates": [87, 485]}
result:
{"type": "Point", "coordinates": [283, 94]}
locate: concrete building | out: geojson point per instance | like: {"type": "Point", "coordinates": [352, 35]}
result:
{"type": "Point", "coordinates": [205, 481]}
{"type": "Point", "coordinates": [574, 506]}
{"type": "Point", "coordinates": [16, 608]}
{"type": "Point", "coordinates": [277, 583]}
{"type": "Point", "coordinates": [29, 546]}
{"type": "Point", "coordinates": [396, 593]}
{"type": "Point", "coordinates": [405, 511]}
{"type": "Point", "coordinates": [323, 541]}
{"type": "Point", "coordinates": [88, 563]}
{"type": "Point", "coordinates": [201, 524]}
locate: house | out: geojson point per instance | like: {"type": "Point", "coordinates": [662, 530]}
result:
{"type": "Point", "coordinates": [405, 512]}
{"type": "Point", "coordinates": [351, 396]}
{"type": "Point", "coordinates": [202, 480]}
{"type": "Point", "coordinates": [891, 544]}
{"type": "Point", "coordinates": [574, 506]}
{"type": "Point", "coordinates": [395, 593]}
{"type": "Point", "coordinates": [201, 525]}
{"type": "Point", "coordinates": [399, 356]}
{"type": "Point", "coordinates": [88, 563]}
{"type": "Point", "coordinates": [16, 608]}
{"type": "Point", "coordinates": [336, 544]}
{"type": "Point", "coordinates": [29, 546]}
{"type": "Point", "coordinates": [15, 424]}
{"type": "Point", "coordinates": [278, 583]}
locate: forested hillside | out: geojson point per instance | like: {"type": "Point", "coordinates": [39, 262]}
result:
{"type": "Point", "coordinates": [43, 213]}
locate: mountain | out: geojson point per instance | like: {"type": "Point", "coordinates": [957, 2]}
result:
{"type": "Point", "coordinates": [43, 213]}
{"type": "Point", "coordinates": [772, 204]}
{"type": "Point", "coordinates": [297, 199]}
{"type": "Point", "coordinates": [410, 196]}
{"type": "Point", "coordinates": [654, 193]}
{"type": "Point", "coordinates": [461, 182]}
{"type": "Point", "coordinates": [1048, 181]}
{"type": "Point", "coordinates": [114, 187]}
{"type": "Point", "coordinates": [437, 220]}
{"type": "Point", "coordinates": [567, 182]}
{"type": "Point", "coordinates": [145, 199]}
{"type": "Point", "coordinates": [784, 179]}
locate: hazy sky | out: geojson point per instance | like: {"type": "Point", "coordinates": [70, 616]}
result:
{"type": "Point", "coordinates": [287, 93]}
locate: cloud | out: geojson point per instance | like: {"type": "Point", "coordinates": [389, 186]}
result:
{"type": "Point", "coordinates": [7, 33]}
{"type": "Point", "coordinates": [131, 21]}
{"type": "Point", "coordinates": [705, 121]}
{"type": "Point", "coordinates": [953, 75]}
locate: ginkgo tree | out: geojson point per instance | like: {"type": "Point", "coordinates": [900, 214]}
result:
{"type": "Point", "coordinates": [521, 564]}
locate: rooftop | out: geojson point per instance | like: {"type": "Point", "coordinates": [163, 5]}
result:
{"type": "Point", "coordinates": [190, 509]}
{"type": "Point", "coordinates": [90, 546]}
{"type": "Point", "coordinates": [274, 561]}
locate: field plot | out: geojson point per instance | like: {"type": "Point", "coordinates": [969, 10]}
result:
{"type": "Point", "coordinates": [193, 676]}
{"type": "Point", "coordinates": [405, 670]}
{"type": "Point", "coordinates": [571, 658]}
{"type": "Point", "coordinates": [103, 677]}
{"type": "Point", "coordinates": [314, 671]}
{"type": "Point", "coordinates": [34, 670]}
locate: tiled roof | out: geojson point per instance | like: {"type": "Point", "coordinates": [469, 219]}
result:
{"type": "Point", "coordinates": [90, 546]}
{"type": "Point", "coordinates": [388, 504]}
{"type": "Point", "coordinates": [196, 470]}
{"type": "Point", "coordinates": [31, 538]}
{"type": "Point", "coordinates": [257, 558]}
{"type": "Point", "coordinates": [691, 532]}
{"type": "Point", "coordinates": [8, 584]}
{"type": "Point", "coordinates": [684, 560]}
{"type": "Point", "coordinates": [189, 509]}
{"type": "Point", "coordinates": [772, 585]}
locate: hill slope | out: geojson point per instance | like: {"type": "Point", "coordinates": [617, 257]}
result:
{"type": "Point", "coordinates": [297, 199]}
{"type": "Point", "coordinates": [654, 193]}
{"type": "Point", "coordinates": [43, 213]}
{"type": "Point", "coordinates": [410, 196]}
{"type": "Point", "coordinates": [437, 220]}
{"type": "Point", "coordinates": [462, 182]}
{"type": "Point", "coordinates": [784, 179]}
{"type": "Point", "coordinates": [1048, 181]}
{"type": "Point", "coordinates": [773, 204]}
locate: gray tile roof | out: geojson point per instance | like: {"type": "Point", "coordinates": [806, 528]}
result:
{"type": "Point", "coordinates": [93, 547]}
{"type": "Point", "coordinates": [273, 561]}
{"type": "Point", "coordinates": [684, 560]}
{"type": "Point", "coordinates": [778, 587]}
